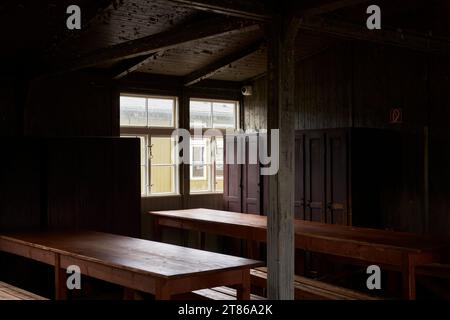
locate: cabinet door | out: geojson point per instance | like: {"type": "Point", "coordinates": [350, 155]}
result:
{"type": "Point", "coordinates": [315, 177]}
{"type": "Point", "coordinates": [337, 186]}
{"type": "Point", "coordinates": [232, 194]}
{"type": "Point", "coordinates": [299, 206]}
{"type": "Point", "coordinates": [251, 177]}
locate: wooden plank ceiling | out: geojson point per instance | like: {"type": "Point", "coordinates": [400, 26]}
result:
{"type": "Point", "coordinates": [36, 29]}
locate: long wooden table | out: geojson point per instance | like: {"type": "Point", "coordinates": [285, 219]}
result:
{"type": "Point", "coordinates": [157, 268]}
{"type": "Point", "coordinates": [394, 250]}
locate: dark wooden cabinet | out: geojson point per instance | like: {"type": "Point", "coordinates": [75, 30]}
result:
{"type": "Point", "coordinates": [242, 182]}
{"type": "Point", "coordinates": [340, 175]}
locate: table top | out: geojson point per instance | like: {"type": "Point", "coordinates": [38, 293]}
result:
{"type": "Point", "coordinates": [362, 236]}
{"type": "Point", "coordinates": [137, 255]}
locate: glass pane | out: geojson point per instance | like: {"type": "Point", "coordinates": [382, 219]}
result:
{"type": "Point", "coordinates": [200, 151]}
{"type": "Point", "coordinates": [162, 180]}
{"type": "Point", "coordinates": [200, 113]}
{"type": "Point", "coordinates": [162, 150]}
{"type": "Point", "coordinates": [224, 115]}
{"type": "Point", "coordinates": [160, 112]}
{"type": "Point", "coordinates": [200, 178]}
{"type": "Point", "coordinates": [198, 172]}
{"type": "Point", "coordinates": [133, 112]}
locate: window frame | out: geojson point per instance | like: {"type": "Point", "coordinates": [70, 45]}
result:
{"type": "Point", "coordinates": [204, 146]}
{"type": "Point", "coordinates": [149, 96]}
{"type": "Point", "coordinates": [212, 101]}
{"type": "Point", "coordinates": [148, 133]}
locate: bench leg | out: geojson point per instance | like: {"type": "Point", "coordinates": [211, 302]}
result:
{"type": "Point", "coordinates": [243, 290]}
{"type": "Point", "coordinates": [60, 280]}
{"type": "Point", "coordinates": [157, 233]}
{"type": "Point", "coordinates": [409, 278]}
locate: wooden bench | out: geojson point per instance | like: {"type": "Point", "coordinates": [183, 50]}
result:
{"type": "Point", "coordinates": [435, 270]}
{"type": "Point", "coordinates": [310, 289]}
{"type": "Point", "coordinates": [221, 293]}
{"type": "Point", "coordinates": [9, 292]}
{"type": "Point", "coordinates": [435, 278]}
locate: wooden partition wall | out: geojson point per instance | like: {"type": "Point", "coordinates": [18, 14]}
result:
{"type": "Point", "coordinates": [79, 183]}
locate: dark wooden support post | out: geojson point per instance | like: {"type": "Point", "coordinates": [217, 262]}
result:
{"type": "Point", "coordinates": [281, 85]}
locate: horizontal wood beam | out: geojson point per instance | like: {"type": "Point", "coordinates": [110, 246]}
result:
{"type": "Point", "coordinates": [319, 7]}
{"type": "Point", "coordinates": [128, 66]}
{"type": "Point", "coordinates": [247, 9]}
{"type": "Point", "coordinates": [211, 69]}
{"type": "Point", "coordinates": [198, 30]}
{"type": "Point", "coordinates": [414, 41]}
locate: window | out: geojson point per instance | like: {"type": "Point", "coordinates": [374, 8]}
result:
{"type": "Point", "coordinates": [152, 120]}
{"type": "Point", "coordinates": [206, 169]}
{"type": "Point", "coordinates": [214, 114]}
{"type": "Point", "coordinates": [147, 112]}
{"type": "Point", "coordinates": [207, 154]}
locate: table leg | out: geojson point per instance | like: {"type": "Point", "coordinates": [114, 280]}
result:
{"type": "Point", "coordinates": [156, 230]}
{"type": "Point", "coordinates": [202, 240]}
{"type": "Point", "coordinates": [251, 247]}
{"type": "Point", "coordinates": [243, 290]}
{"type": "Point", "coordinates": [162, 291]}
{"type": "Point", "coordinates": [60, 280]}
{"type": "Point", "coordinates": [128, 294]}
{"type": "Point", "coordinates": [409, 278]}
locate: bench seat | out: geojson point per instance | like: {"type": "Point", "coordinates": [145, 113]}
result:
{"type": "Point", "coordinates": [310, 289]}
{"type": "Point", "coordinates": [221, 293]}
{"type": "Point", "coordinates": [9, 292]}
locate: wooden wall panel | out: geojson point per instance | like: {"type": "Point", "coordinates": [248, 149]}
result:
{"type": "Point", "coordinates": [72, 105]}
{"type": "Point", "coordinates": [94, 183]}
{"type": "Point", "coordinates": [386, 78]}
{"type": "Point", "coordinates": [439, 147]}
{"type": "Point", "coordinates": [20, 185]}
{"type": "Point", "coordinates": [11, 107]}
{"type": "Point", "coordinates": [255, 106]}
{"type": "Point", "coordinates": [356, 84]}
{"type": "Point", "coordinates": [323, 93]}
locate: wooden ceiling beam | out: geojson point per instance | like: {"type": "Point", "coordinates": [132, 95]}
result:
{"type": "Point", "coordinates": [247, 9]}
{"type": "Point", "coordinates": [414, 41]}
{"type": "Point", "coordinates": [198, 30]}
{"type": "Point", "coordinates": [130, 65]}
{"type": "Point", "coordinates": [214, 67]}
{"type": "Point", "coordinates": [319, 7]}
